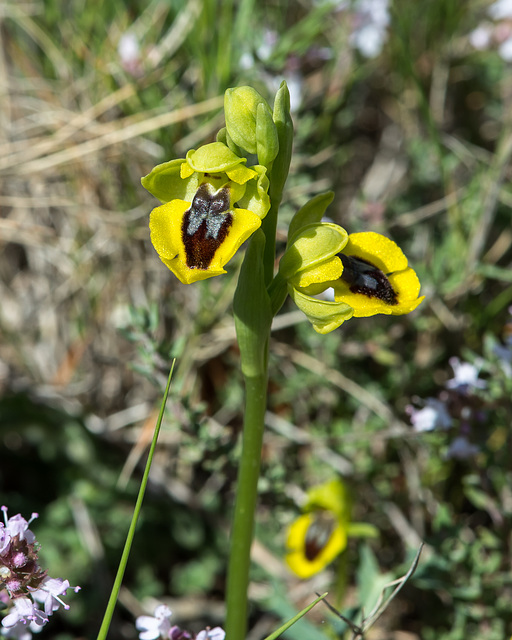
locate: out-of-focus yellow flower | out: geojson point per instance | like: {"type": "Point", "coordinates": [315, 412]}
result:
{"type": "Point", "coordinates": [314, 540]}
{"type": "Point", "coordinates": [212, 204]}
{"type": "Point", "coordinates": [320, 534]}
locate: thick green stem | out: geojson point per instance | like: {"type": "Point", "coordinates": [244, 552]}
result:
{"type": "Point", "coordinates": [245, 506]}
{"type": "Point", "coordinates": [253, 313]}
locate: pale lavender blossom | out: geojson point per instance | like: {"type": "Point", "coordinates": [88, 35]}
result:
{"type": "Point", "coordinates": [24, 582]}
{"type": "Point", "coordinates": [24, 611]}
{"type": "Point", "coordinates": [153, 627]}
{"type": "Point", "coordinates": [371, 21]}
{"type": "Point", "coordinates": [466, 376]}
{"type": "Point", "coordinates": [20, 631]}
{"type": "Point", "coordinates": [128, 50]}
{"type": "Point", "coordinates": [505, 50]}
{"type": "Point", "coordinates": [159, 626]}
{"type": "Point", "coordinates": [18, 526]}
{"type": "Point", "coordinates": [481, 37]}
{"type": "Point", "coordinates": [217, 633]}
{"type": "Point", "coordinates": [461, 449]}
{"type": "Point", "coordinates": [504, 354]}
{"type": "Point", "coordinates": [179, 634]}
{"type": "Point", "coordinates": [432, 416]}
{"type": "Point", "coordinates": [49, 594]}
{"type": "Point", "coordinates": [500, 10]}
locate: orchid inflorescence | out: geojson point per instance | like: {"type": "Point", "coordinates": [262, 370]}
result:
{"type": "Point", "coordinates": [212, 203]}
{"type": "Point", "coordinates": [24, 585]}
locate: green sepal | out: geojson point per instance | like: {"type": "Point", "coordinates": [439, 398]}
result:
{"type": "Point", "coordinates": [313, 247]}
{"type": "Point", "coordinates": [325, 316]}
{"type": "Point", "coordinates": [252, 309]}
{"type": "Point", "coordinates": [312, 212]}
{"type": "Point", "coordinates": [212, 158]}
{"type": "Point", "coordinates": [164, 181]}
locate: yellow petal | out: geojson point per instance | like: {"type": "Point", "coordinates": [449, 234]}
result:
{"type": "Point", "coordinates": [186, 170]}
{"type": "Point", "coordinates": [241, 174]}
{"type": "Point", "coordinates": [404, 283]}
{"type": "Point", "coordinates": [325, 272]}
{"type": "Point", "coordinates": [376, 249]}
{"type": "Point", "coordinates": [297, 559]}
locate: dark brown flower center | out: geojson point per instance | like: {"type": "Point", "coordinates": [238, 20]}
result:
{"type": "Point", "coordinates": [206, 225]}
{"type": "Point", "coordinates": [367, 279]}
{"type": "Point", "coordinates": [318, 534]}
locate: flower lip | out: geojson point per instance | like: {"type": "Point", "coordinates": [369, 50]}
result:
{"type": "Point", "coordinates": [205, 226]}
{"type": "Point", "coordinates": [364, 277]}
{"type": "Point", "coordinates": [314, 541]}
{"type": "Point", "coordinates": [378, 279]}
{"type": "Point", "coordinates": [318, 534]}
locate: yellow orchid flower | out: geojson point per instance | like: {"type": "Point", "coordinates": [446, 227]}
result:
{"type": "Point", "coordinates": [320, 534]}
{"type": "Point", "coordinates": [314, 540]}
{"type": "Point", "coordinates": [368, 272]}
{"type": "Point", "coordinates": [376, 277]}
{"type": "Point", "coordinates": [212, 204]}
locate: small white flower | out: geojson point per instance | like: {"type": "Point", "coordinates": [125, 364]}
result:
{"type": "Point", "coordinates": [20, 631]}
{"type": "Point", "coordinates": [461, 449]}
{"type": "Point", "coordinates": [128, 49]}
{"type": "Point", "coordinates": [505, 50]}
{"type": "Point", "coordinates": [432, 416]}
{"type": "Point", "coordinates": [18, 526]}
{"type": "Point", "coordinates": [466, 376]}
{"type": "Point", "coordinates": [481, 37]}
{"type": "Point", "coordinates": [217, 633]}
{"type": "Point", "coordinates": [24, 611]}
{"type": "Point", "coordinates": [49, 593]}
{"type": "Point", "coordinates": [151, 627]}
{"type": "Point", "coordinates": [369, 40]}
{"type": "Point", "coordinates": [371, 20]}
{"type": "Point", "coordinates": [500, 10]}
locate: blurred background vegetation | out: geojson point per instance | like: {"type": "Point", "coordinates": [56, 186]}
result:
{"type": "Point", "coordinates": [415, 138]}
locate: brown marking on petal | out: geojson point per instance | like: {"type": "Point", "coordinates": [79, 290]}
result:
{"type": "Point", "coordinates": [365, 278]}
{"type": "Point", "coordinates": [206, 225]}
{"type": "Point", "coordinates": [318, 534]}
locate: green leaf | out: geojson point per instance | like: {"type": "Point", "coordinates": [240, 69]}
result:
{"type": "Point", "coordinates": [293, 620]}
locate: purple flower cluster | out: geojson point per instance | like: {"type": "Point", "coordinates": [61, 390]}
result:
{"type": "Point", "coordinates": [159, 626]}
{"type": "Point", "coordinates": [24, 586]}
{"type": "Point", "coordinates": [456, 405]}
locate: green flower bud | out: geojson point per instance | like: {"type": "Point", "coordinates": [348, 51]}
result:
{"type": "Point", "coordinates": [249, 123]}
